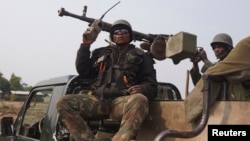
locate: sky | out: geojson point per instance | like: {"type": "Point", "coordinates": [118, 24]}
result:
{"type": "Point", "coordinates": [37, 44]}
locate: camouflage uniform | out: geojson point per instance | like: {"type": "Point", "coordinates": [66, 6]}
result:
{"type": "Point", "coordinates": [131, 110]}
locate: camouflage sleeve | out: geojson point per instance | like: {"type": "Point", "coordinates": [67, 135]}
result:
{"type": "Point", "coordinates": [148, 80]}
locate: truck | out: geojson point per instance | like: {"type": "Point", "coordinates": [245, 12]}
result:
{"type": "Point", "coordinates": [38, 120]}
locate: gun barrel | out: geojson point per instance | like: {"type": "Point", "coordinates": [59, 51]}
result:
{"type": "Point", "coordinates": [63, 12]}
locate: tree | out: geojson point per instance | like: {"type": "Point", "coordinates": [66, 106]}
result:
{"type": "Point", "coordinates": [15, 83]}
{"type": "Point", "coordinates": [4, 85]}
{"type": "Point", "coordinates": [27, 88]}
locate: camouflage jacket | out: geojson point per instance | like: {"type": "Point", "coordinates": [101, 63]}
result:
{"type": "Point", "coordinates": [132, 67]}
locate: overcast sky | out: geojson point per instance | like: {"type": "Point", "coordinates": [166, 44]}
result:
{"type": "Point", "coordinates": [37, 44]}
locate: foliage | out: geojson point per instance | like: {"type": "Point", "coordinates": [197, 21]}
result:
{"type": "Point", "coordinates": [14, 98]}
{"type": "Point", "coordinates": [27, 88]}
{"type": "Point", "coordinates": [4, 85]}
{"type": "Point", "coordinates": [15, 82]}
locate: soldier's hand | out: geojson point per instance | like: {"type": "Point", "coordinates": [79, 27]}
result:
{"type": "Point", "coordinates": [203, 55]}
{"type": "Point", "coordinates": [85, 38]}
{"type": "Point", "coordinates": [134, 89]}
{"type": "Point", "coordinates": [196, 59]}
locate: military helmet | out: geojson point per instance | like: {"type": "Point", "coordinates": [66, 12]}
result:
{"type": "Point", "coordinates": [121, 24]}
{"type": "Point", "coordinates": [223, 38]}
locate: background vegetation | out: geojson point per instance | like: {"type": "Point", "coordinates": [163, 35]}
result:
{"type": "Point", "coordinates": [13, 84]}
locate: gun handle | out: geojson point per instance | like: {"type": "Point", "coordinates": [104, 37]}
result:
{"type": "Point", "coordinates": [94, 30]}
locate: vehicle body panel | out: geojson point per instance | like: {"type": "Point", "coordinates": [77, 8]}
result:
{"type": "Point", "coordinates": [171, 115]}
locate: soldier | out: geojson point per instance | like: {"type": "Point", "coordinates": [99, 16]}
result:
{"type": "Point", "coordinates": [124, 79]}
{"type": "Point", "coordinates": [222, 44]}
{"type": "Point", "coordinates": [234, 70]}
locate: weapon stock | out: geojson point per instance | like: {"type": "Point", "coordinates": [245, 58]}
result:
{"type": "Point", "coordinates": [137, 36]}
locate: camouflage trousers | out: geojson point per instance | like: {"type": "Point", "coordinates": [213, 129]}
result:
{"type": "Point", "coordinates": [74, 109]}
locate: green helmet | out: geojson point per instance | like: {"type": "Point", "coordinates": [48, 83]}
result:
{"type": "Point", "coordinates": [223, 38]}
{"type": "Point", "coordinates": [121, 24]}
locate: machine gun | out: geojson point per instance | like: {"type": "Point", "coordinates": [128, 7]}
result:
{"type": "Point", "coordinates": [161, 46]}
{"type": "Point", "coordinates": [137, 36]}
